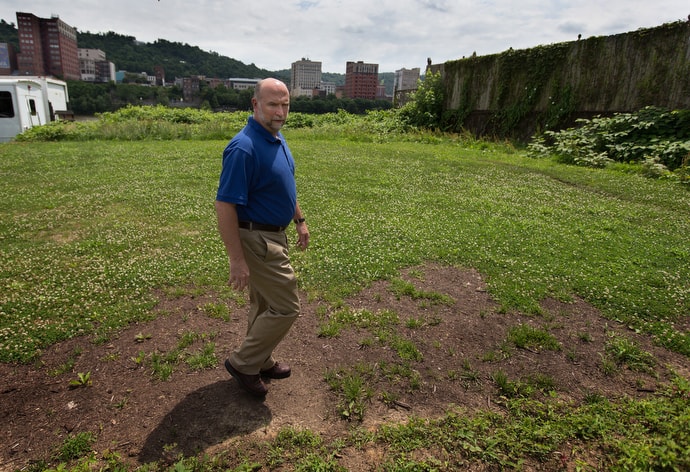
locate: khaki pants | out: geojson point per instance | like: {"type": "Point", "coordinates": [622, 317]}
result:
{"type": "Point", "coordinates": [274, 301]}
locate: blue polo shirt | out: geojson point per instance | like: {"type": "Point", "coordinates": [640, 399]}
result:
{"type": "Point", "coordinates": [258, 176]}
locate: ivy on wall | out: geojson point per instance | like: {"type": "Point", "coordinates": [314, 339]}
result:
{"type": "Point", "coordinates": [519, 93]}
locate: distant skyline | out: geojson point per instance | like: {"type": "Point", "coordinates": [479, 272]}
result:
{"type": "Point", "coordinates": [395, 34]}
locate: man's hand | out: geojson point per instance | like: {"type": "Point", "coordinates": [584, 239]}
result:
{"type": "Point", "coordinates": [302, 235]}
{"type": "Point", "coordinates": [239, 275]}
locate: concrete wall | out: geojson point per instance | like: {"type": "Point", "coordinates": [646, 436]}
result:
{"type": "Point", "coordinates": [517, 93]}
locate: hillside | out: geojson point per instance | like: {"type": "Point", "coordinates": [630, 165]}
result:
{"type": "Point", "coordinates": [8, 33]}
{"type": "Point", "coordinates": [178, 59]}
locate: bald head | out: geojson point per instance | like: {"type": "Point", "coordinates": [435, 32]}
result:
{"type": "Point", "coordinates": [269, 84]}
{"type": "Point", "coordinates": [271, 103]}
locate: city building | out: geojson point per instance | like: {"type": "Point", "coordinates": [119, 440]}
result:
{"type": "Point", "coordinates": [305, 77]}
{"type": "Point", "coordinates": [405, 84]}
{"type": "Point", "coordinates": [94, 67]}
{"type": "Point", "coordinates": [191, 86]}
{"type": "Point", "coordinates": [105, 71]}
{"type": "Point", "coordinates": [87, 63]}
{"type": "Point", "coordinates": [47, 46]}
{"type": "Point", "coordinates": [381, 92]}
{"type": "Point", "coordinates": [159, 72]}
{"type": "Point", "coordinates": [8, 59]}
{"type": "Point", "coordinates": [361, 80]}
{"type": "Point", "coordinates": [238, 83]}
{"type": "Point", "coordinates": [214, 82]}
{"type": "Point", "coordinates": [327, 88]}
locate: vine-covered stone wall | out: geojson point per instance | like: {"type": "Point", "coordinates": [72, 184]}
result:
{"type": "Point", "coordinates": [520, 92]}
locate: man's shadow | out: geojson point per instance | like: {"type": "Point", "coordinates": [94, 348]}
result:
{"type": "Point", "coordinates": [205, 417]}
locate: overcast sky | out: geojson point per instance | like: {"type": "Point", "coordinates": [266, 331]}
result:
{"type": "Point", "coordinates": [392, 33]}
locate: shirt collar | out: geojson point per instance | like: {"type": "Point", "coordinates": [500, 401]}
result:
{"type": "Point", "coordinates": [256, 126]}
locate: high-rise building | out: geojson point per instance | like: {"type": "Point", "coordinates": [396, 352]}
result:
{"type": "Point", "coordinates": [305, 76]}
{"type": "Point", "coordinates": [105, 71]}
{"type": "Point", "coordinates": [361, 80]}
{"type": "Point", "coordinates": [405, 84]}
{"type": "Point", "coordinates": [406, 79]}
{"type": "Point", "coordinates": [47, 46]}
{"type": "Point", "coordinates": [88, 58]}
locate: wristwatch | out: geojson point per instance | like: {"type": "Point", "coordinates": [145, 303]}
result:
{"type": "Point", "coordinates": [299, 220]}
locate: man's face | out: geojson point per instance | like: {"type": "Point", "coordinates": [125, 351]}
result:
{"type": "Point", "coordinates": [272, 106]}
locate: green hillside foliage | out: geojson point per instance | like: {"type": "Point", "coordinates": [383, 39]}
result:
{"type": "Point", "coordinates": [177, 59]}
{"type": "Point", "coordinates": [182, 60]}
{"type": "Point", "coordinates": [8, 33]}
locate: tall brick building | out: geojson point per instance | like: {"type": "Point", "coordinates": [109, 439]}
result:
{"type": "Point", "coordinates": [47, 46]}
{"type": "Point", "coordinates": [361, 80]}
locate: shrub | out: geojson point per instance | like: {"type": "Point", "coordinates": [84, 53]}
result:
{"type": "Point", "coordinates": [425, 108]}
{"type": "Point", "coordinates": [655, 135]}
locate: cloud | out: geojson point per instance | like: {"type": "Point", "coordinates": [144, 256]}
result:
{"type": "Point", "coordinates": [572, 27]}
{"type": "Point", "coordinates": [306, 5]}
{"type": "Point", "coordinates": [437, 5]}
{"type": "Point", "coordinates": [391, 33]}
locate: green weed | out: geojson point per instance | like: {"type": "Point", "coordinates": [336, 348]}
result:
{"type": "Point", "coordinates": [204, 359]}
{"type": "Point", "coordinates": [75, 446]}
{"type": "Point", "coordinates": [69, 364]}
{"type": "Point", "coordinates": [525, 336]}
{"type": "Point", "coordinates": [163, 364]}
{"type": "Point", "coordinates": [402, 288]}
{"type": "Point", "coordinates": [216, 310]}
{"type": "Point", "coordinates": [351, 387]}
{"type": "Point", "coordinates": [511, 388]}
{"type": "Point", "coordinates": [623, 351]}
{"type": "Point", "coordinates": [83, 380]}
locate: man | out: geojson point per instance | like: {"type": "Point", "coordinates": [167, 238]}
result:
{"type": "Point", "coordinates": [256, 201]}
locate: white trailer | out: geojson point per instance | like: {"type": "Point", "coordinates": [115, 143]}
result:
{"type": "Point", "coordinates": [30, 101]}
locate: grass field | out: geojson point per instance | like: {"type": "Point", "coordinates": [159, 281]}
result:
{"type": "Point", "coordinates": [87, 230]}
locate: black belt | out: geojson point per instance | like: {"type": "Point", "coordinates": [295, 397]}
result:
{"type": "Point", "coordinates": [251, 226]}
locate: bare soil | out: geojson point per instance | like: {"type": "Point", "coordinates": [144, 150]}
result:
{"type": "Point", "coordinates": [139, 417]}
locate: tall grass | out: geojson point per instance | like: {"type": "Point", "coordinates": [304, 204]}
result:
{"type": "Point", "coordinates": [89, 229]}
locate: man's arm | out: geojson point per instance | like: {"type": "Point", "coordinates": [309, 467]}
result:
{"type": "Point", "coordinates": [302, 229]}
{"type": "Point", "coordinates": [229, 230]}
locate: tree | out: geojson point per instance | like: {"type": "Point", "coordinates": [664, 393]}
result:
{"type": "Point", "coordinates": [425, 108]}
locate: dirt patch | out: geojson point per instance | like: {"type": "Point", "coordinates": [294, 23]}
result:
{"type": "Point", "coordinates": [139, 417]}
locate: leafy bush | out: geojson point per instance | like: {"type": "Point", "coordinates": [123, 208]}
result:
{"type": "Point", "coordinates": [137, 123]}
{"type": "Point", "coordinates": [55, 131]}
{"type": "Point", "coordinates": [654, 136]}
{"type": "Point", "coordinates": [426, 106]}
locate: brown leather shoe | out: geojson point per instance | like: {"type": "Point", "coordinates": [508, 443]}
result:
{"type": "Point", "coordinates": [251, 383]}
{"type": "Point", "coordinates": [278, 371]}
